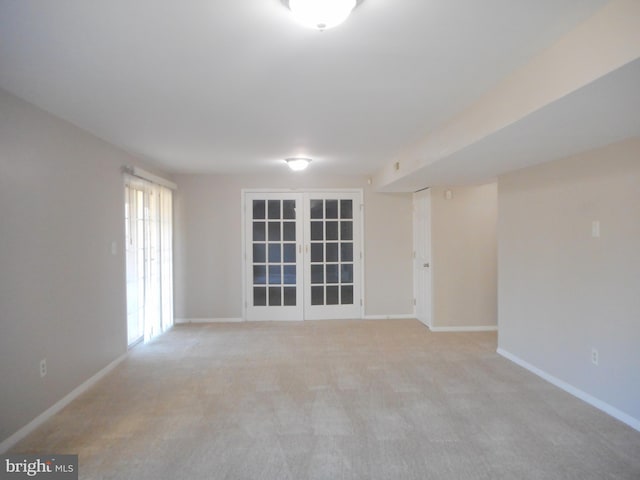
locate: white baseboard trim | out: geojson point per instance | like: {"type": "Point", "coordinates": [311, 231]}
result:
{"type": "Point", "coordinates": [401, 316]}
{"type": "Point", "coordinates": [486, 328]}
{"type": "Point", "coordinates": [585, 397]}
{"type": "Point", "coordinates": [208, 320]}
{"type": "Point", "coordinates": [181, 321]}
{"type": "Point", "coordinates": [276, 320]}
{"type": "Point", "coordinates": [59, 405]}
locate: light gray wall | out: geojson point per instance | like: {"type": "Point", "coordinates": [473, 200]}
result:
{"type": "Point", "coordinates": [208, 260]}
{"type": "Point", "coordinates": [62, 292]}
{"type": "Point", "coordinates": [562, 292]}
{"type": "Point", "coordinates": [464, 256]}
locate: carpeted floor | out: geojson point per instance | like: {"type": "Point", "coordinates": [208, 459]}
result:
{"type": "Point", "coordinates": [332, 400]}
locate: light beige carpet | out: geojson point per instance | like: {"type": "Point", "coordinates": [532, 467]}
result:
{"type": "Point", "coordinates": [332, 400]}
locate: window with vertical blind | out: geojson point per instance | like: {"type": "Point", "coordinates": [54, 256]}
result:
{"type": "Point", "coordinates": [149, 233]}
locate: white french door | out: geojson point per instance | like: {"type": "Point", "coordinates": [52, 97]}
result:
{"type": "Point", "coordinates": [303, 255]}
{"type": "Point", "coordinates": [332, 256]}
{"type": "Point", "coordinates": [274, 245]}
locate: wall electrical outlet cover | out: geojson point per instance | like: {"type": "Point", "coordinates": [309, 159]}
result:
{"type": "Point", "coordinates": [43, 367]}
{"type": "Point", "coordinates": [594, 356]}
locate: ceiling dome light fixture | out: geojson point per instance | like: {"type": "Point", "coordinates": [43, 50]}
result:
{"type": "Point", "coordinates": [321, 14]}
{"type": "Point", "coordinates": [298, 163]}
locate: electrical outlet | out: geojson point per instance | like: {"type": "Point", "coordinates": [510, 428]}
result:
{"type": "Point", "coordinates": [43, 367]}
{"type": "Point", "coordinates": [594, 357]}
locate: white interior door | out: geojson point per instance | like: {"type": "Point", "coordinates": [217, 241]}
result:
{"type": "Point", "coordinates": [303, 255]}
{"type": "Point", "coordinates": [332, 231]}
{"type": "Point", "coordinates": [422, 255]}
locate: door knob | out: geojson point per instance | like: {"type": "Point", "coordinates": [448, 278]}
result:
{"type": "Point", "coordinates": [426, 265]}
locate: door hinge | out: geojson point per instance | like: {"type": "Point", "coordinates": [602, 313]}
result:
{"type": "Point", "coordinates": [414, 302]}
{"type": "Point", "coordinates": [361, 302]}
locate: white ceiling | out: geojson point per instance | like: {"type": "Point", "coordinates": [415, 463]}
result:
{"type": "Point", "coordinates": [234, 86]}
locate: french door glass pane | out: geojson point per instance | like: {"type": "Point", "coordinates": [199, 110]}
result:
{"type": "Point", "coordinates": [289, 231]}
{"type": "Point", "coordinates": [260, 296]}
{"type": "Point", "coordinates": [317, 295]}
{"type": "Point", "coordinates": [332, 230]}
{"type": "Point", "coordinates": [346, 274]}
{"type": "Point", "coordinates": [316, 209]}
{"type": "Point", "coordinates": [346, 252]}
{"type": "Point", "coordinates": [274, 231]}
{"type": "Point", "coordinates": [346, 209]}
{"type": "Point", "coordinates": [289, 296]}
{"type": "Point", "coordinates": [346, 230]}
{"type": "Point", "coordinates": [332, 273]}
{"type": "Point", "coordinates": [317, 231]}
{"type": "Point", "coordinates": [316, 252]}
{"type": "Point", "coordinates": [347, 294]}
{"type": "Point", "coordinates": [317, 274]}
{"type": "Point", "coordinates": [274, 252]}
{"type": "Point", "coordinates": [275, 296]}
{"type": "Point", "coordinates": [259, 275]}
{"type": "Point", "coordinates": [259, 253]}
{"type": "Point", "coordinates": [275, 275]}
{"type": "Point", "coordinates": [331, 210]}
{"type": "Point", "coordinates": [274, 209]}
{"type": "Point", "coordinates": [274, 246]}
{"type": "Point", "coordinates": [332, 252]}
{"type": "Point", "coordinates": [259, 234]}
{"type": "Point", "coordinates": [332, 295]}
{"type": "Point", "coordinates": [289, 209]}
{"type": "Point", "coordinates": [258, 209]}
{"type": "Point", "coordinates": [289, 252]}
{"type": "Point", "coordinates": [289, 275]}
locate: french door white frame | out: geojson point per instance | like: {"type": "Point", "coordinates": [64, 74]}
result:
{"type": "Point", "coordinates": [304, 310]}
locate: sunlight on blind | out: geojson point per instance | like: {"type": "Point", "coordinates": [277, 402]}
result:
{"type": "Point", "coordinates": [148, 217]}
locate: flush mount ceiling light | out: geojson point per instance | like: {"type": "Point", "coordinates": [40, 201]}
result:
{"type": "Point", "coordinates": [298, 163]}
{"type": "Point", "coordinates": [321, 14]}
